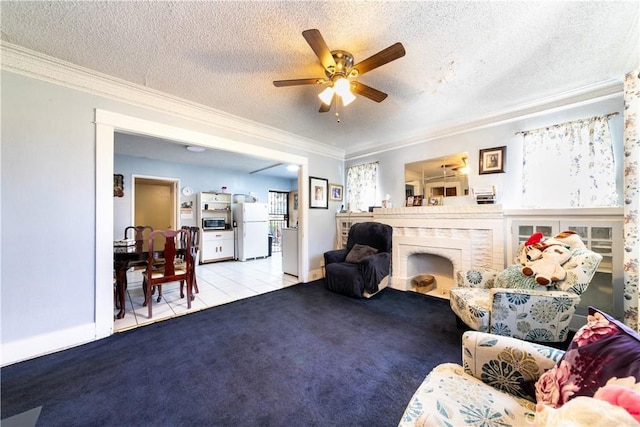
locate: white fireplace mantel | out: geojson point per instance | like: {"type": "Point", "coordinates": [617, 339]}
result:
{"type": "Point", "coordinates": [469, 235]}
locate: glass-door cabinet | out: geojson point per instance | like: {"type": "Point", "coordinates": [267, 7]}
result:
{"type": "Point", "coordinates": [602, 236]}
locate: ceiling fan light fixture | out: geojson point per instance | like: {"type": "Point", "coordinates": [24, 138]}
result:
{"type": "Point", "coordinates": [347, 98]}
{"type": "Point", "coordinates": [343, 88]}
{"type": "Point", "coordinates": [326, 95]}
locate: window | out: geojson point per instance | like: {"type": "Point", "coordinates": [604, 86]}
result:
{"type": "Point", "coordinates": [278, 217]}
{"type": "Point", "coordinates": [362, 181]}
{"type": "Point", "coordinates": [569, 165]}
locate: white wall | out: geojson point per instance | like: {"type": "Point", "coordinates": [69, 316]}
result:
{"type": "Point", "coordinates": [509, 184]}
{"type": "Point", "coordinates": [48, 198]}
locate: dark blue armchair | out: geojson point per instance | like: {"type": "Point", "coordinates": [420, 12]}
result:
{"type": "Point", "coordinates": [358, 269]}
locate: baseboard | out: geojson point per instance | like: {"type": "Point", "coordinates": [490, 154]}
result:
{"type": "Point", "coordinates": [39, 345]}
{"type": "Point", "coordinates": [316, 274]}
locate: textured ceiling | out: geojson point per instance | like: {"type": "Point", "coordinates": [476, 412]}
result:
{"type": "Point", "coordinates": [465, 61]}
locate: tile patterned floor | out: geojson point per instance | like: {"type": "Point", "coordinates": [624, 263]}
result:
{"type": "Point", "coordinates": [219, 283]}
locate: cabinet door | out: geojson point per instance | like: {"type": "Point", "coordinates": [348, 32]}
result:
{"type": "Point", "coordinates": [603, 236]}
{"type": "Point", "coordinates": [522, 230]}
{"type": "Point", "coordinates": [209, 251]}
{"type": "Point", "coordinates": [226, 248]}
{"type": "Point", "coordinates": [606, 288]}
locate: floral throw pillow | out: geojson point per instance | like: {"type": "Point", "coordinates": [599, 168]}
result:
{"type": "Point", "coordinates": [602, 352]}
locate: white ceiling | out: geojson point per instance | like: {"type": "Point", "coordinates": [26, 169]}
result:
{"type": "Point", "coordinates": [162, 149]}
{"type": "Point", "coordinates": [466, 61]}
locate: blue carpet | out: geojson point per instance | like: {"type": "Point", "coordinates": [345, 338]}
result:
{"type": "Point", "coordinates": [294, 357]}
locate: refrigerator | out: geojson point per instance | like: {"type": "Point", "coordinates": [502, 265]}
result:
{"type": "Point", "coordinates": [251, 230]}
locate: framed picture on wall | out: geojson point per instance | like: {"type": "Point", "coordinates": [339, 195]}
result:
{"type": "Point", "coordinates": [435, 201]}
{"type": "Point", "coordinates": [335, 192]}
{"type": "Point", "coordinates": [318, 193]}
{"type": "Point", "coordinates": [118, 185]}
{"type": "Point", "coordinates": [492, 160]}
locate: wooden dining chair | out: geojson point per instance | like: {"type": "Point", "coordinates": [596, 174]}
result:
{"type": "Point", "coordinates": [176, 267]}
{"type": "Point", "coordinates": [194, 232]}
{"type": "Point", "coordinates": [139, 232]}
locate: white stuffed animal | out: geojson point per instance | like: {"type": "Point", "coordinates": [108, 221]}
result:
{"type": "Point", "coordinates": [548, 267]}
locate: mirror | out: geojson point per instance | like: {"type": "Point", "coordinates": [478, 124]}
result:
{"type": "Point", "coordinates": [427, 182]}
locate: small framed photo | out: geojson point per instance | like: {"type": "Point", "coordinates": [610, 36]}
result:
{"type": "Point", "coordinates": [435, 201]}
{"type": "Point", "coordinates": [335, 192]}
{"type": "Point", "coordinates": [118, 185]}
{"type": "Point", "coordinates": [318, 193]}
{"type": "Point", "coordinates": [492, 160]}
{"type": "Point", "coordinates": [417, 200]}
{"type": "Point", "coordinates": [410, 201]}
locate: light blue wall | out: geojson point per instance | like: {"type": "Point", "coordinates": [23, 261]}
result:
{"type": "Point", "coordinates": [48, 197]}
{"type": "Point", "coordinates": [509, 184]}
{"type": "Point", "coordinates": [199, 178]}
{"type": "Point", "coordinates": [48, 193]}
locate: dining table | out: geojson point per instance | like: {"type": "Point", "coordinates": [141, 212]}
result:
{"type": "Point", "coordinates": [125, 257]}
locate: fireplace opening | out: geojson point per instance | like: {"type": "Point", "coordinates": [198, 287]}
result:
{"type": "Point", "coordinates": [421, 265]}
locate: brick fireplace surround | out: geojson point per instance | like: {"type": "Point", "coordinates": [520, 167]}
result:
{"type": "Point", "coordinates": [466, 235]}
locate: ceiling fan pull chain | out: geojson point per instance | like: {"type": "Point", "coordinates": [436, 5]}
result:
{"type": "Point", "coordinates": [337, 106]}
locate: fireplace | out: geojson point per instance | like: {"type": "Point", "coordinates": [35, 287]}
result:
{"type": "Point", "coordinates": [424, 267]}
{"type": "Point", "coordinates": [443, 239]}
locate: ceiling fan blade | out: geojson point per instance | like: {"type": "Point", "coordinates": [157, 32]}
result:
{"type": "Point", "coordinates": [296, 82]}
{"type": "Point", "coordinates": [324, 108]}
{"type": "Point", "coordinates": [387, 55]}
{"type": "Point", "coordinates": [317, 43]}
{"type": "Point", "coordinates": [367, 91]}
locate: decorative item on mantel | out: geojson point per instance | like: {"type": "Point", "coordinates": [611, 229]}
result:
{"type": "Point", "coordinates": [485, 195]}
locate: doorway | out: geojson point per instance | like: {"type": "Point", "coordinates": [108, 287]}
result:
{"type": "Point", "coordinates": [155, 202]}
{"type": "Point", "coordinates": [107, 123]}
{"type": "Point", "coordinates": [278, 217]}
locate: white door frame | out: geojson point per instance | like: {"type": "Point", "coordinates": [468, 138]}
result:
{"type": "Point", "coordinates": [107, 123]}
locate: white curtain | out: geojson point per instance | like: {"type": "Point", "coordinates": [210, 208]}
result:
{"type": "Point", "coordinates": [632, 199]}
{"type": "Point", "coordinates": [362, 183]}
{"type": "Point", "coordinates": [569, 165]}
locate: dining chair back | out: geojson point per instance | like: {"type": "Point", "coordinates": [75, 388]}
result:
{"type": "Point", "coordinates": [139, 231]}
{"type": "Point", "coordinates": [168, 263]}
{"type": "Point", "coordinates": [194, 232]}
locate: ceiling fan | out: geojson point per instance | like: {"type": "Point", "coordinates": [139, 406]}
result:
{"type": "Point", "coordinates": [340, 72]}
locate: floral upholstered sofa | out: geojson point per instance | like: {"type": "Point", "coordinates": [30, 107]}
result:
{"type": "Point", "coordinates": [509, 303]}
{"type": "Point", "coordinates": [505, 381]}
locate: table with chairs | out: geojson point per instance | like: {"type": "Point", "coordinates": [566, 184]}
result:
{"type": "Point", "coordinates": [167, 256]}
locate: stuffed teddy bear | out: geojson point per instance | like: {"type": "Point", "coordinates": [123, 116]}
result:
{"type": "Point", "coordinates": [567, 238]}
{"type": "Point", "coordinates": [532, 249]}
{"type": "Point", "coordinates": [547, 267]}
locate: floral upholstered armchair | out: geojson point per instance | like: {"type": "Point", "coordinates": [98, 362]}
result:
{"type": "Point", "coordinates": [487, 390]}
{"type": "Point", "coordinates": [505, 381]}
{"type": "Point", "coordinates": [509, 303]}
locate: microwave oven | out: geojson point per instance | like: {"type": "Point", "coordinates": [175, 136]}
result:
{"type": "Point", "coordinates": [213, 224]}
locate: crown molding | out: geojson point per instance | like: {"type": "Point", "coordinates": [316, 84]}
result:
{"type": "Point", "coordinates": [563, 101]}
{"type": "Point", "coordinates": [26, 62]}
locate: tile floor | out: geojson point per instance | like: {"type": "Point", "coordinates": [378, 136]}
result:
{"type": "Point", "coordinates": [219, 283]}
